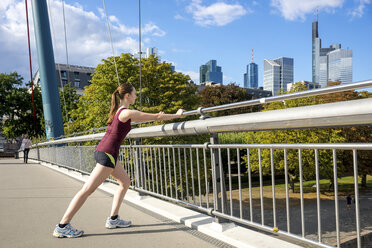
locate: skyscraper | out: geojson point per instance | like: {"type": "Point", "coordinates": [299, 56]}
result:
{"type": "Point", "coordinates": [210, 72]}
{"type": "Point", "coordinates": [330, 64]}
{"type": "Point", "coordinates": [277, 74]}
{"type": "Point", "coordinates": [151, 50]}
{"type": "Point", "coordinates": [251, 77]}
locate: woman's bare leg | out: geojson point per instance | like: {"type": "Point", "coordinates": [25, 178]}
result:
{"type": "Point", "coordinates": [97, 177]}
{"type": "Point", "coordinates": [124, 181]}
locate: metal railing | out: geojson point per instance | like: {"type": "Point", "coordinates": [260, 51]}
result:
{"type": "Point", "coordinates": [210, 178]}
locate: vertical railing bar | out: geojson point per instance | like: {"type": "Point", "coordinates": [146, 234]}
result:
{"type": "Point", "coordinates": [318, 195]}
{"type": "Point", "coordinates": [186, 176]}
{"type": "Point", "coordinates": [261, 187]}
{"type": "Point", "coordinates": [199, 183]}
{"type": "Point", "coordinates": [221, 181]}
{"type": "Point", "coordinates": [286, 191]}
{"type": "Point", "coordinates": [206, 177]}
{"type": "Point", "coordinates": [192, 176]}
{"type": "Point", "coordinates": [335, 176]}
{"type": "Point", "coordinates": [240, 184]}
{"type": "Point", "coordinates": [180, 168]}
{"type": "Point", "coordinates": [156, 171]}
{"type": "Point", "coordinates": [214, 179]}
{"type": "Point", "coordinates": [131, 154]}
{"type": "Point", "coordinates": [160, 172]}
{"type": "Point", "coordinates": [170, 174]}
{"type": "Point", "coordinates": [165, 172]}
{"type": "Point", "coordinates": [301, 193]}
{"type": "Point", "coordinates": [175, 172]}
{"type": "Point", "coordinates": [230, 187]}
{"type": "Point", "coordinates": [273, 184]}
{"type": "Point", "coordinates": [356, 186]}
{"type": "Point", "coordinates": [152, 171]}
{"type": "Point", "coordinates": [148, 169]}
{"type": "Point", "coordinates": [144, 181]}
{"type": "Point", "coordinates": [250, 185]}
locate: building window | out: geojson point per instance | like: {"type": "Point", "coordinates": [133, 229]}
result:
{"type": "Point", "coordinates": [64, 82]}
{"type": "Point", "coordinates": [77, 84]}
{"type": "Point", "coordinates": [63, 74]}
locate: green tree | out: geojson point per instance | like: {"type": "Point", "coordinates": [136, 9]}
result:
{"type": "Point", "coordinates": [69, 101]}
{"type": "Point", "coordinates": [324, 135]}
{"type": "Point", "coordinates": [225, 94]}
{"type": "Point", "coordinates": [162, 90]}
{"type": "Point", "coordinates": [358, 134]}
{"type": "Point", "coordinates": [17, 107]}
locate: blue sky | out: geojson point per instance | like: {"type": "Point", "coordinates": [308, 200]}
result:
{"type": "Point", "coordinates": [190, 33]}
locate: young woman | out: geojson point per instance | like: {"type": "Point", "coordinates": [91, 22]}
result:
{"type": "Point", "coordinates": [119, 125]}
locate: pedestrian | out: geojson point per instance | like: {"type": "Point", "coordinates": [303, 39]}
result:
{"type": "Point", "coordinates": [26, 144]}
{"type": "Point", "coordinates": [348, 202]}
{"type": "Point", "coordinates": [106, 153]}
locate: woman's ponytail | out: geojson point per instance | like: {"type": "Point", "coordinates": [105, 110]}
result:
{"type": "Point", "coordinates": [118, 94]}
{"type": "Point", "coordinates": [114, 107]}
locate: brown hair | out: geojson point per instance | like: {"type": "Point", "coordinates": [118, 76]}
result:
{"type": "Point", "coordinates": [120, 93]}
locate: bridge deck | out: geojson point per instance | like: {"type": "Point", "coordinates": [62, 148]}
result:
{"type": "Point", "coordinates": [33, 198]}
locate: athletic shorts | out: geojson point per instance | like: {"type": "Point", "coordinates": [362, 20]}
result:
{"type": "Point", "coordinates": [105, 159]}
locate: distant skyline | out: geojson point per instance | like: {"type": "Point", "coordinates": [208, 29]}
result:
{"type": "Point", "coordinates": [190, 33]}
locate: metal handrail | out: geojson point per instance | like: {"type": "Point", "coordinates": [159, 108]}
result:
{"type": "Point", "coordinates": [356, 112]}
{"type": "Point", "coordinates": [296, 95]}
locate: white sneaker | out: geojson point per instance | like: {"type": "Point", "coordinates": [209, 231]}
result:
{"type": "Point", "coordinates": [110, 224]}
{"type": "Point", "coordinates": [68, 231]}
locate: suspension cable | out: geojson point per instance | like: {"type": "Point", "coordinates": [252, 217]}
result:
{"type": "Point", "coordinates": [58, 66]}
{"type": "Point", "coordinates": [140, 52]}
{"type": "Point", "coordinates": [29, 56]}
{"type": "Point", "coordinates": [112, 46]}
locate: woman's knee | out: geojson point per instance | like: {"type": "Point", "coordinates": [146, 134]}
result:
{"type": "Point", "coordinates": [88, 190]}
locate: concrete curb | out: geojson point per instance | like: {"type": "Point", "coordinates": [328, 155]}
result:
{"type": "Point", "coordinates": [226, 232]}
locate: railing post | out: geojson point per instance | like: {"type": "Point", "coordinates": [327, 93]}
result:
{"type": "Point", "coordinates": [137, 159]}
{"type": "Point", "coordinates": [216, 179]}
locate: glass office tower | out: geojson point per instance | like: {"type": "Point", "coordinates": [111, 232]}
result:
{"type": "Point", "coordinates": [251, 77]}
{"type": "Point", "coordinates": [330, 64]}
{"type": "Point", "coordinates": [210, 72]}
{"type": "Point", "coordinates": [277, 74]}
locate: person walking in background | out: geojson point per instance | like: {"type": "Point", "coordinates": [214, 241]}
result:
{"type": "Point", "coordinates": [106, 154]}
{"type": "Point", "coordinates": [348, 202]}
{"type": "Point", "coordinates": [26, 144]}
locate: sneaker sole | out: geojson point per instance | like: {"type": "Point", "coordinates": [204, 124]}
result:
{"type": "Point", "coordinates": [117, 226]}
{"type": "Point", "coordinates": [60, 236]}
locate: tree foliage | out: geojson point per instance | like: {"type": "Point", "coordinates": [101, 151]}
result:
{"type": "Point", "coordinates": [162, 90]}
{"type": "Point", "coordinates": [16, 108]}
{"type": "Point", "coordinates": [225, 94]}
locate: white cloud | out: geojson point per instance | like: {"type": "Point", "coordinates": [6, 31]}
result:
{"type": "Point", "coordinates": [217, 14]}
{"type": "Point", "coordinates": [179, 17]}
{"type": "Point", "coordinates": [358, 12]}
{"type": "Point", "coordinates": [297, 10]}
{"type": "Point", "coordinates": [87, 35]}
{"type": "Point", "coordinates": [193, 75]}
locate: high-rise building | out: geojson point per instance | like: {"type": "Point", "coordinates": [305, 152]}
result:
{"type": "Point", "coordinates": [277, 74]}
{"type": "Point", "coordinates": [210, 72]}
{"type": "Point", "coordinates": [330, 64]}
{"type": "Point", "coordinates": [150, 51]}
{"type": "Point", "coordinates": [251, 77]}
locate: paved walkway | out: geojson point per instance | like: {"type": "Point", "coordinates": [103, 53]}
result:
{"type": "Point", "coordinates": [33, 199]}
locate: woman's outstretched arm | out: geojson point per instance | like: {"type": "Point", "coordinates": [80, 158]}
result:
{"type": "Point", "coordinates": [138, 116]}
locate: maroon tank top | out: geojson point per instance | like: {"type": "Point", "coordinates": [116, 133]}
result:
{"type": "Point", "coordinates": [114, 135]}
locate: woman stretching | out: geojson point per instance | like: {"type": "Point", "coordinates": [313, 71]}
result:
{"type": "Point", "coordinates": [119, 125]}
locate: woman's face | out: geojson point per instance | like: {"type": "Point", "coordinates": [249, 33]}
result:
{"type": "Point", "coordinates": [132, 96]}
